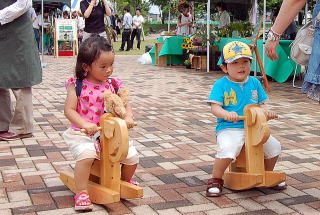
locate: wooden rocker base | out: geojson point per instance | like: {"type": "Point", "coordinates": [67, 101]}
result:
{"type": "Point", "coordinates": [244, 181]}
{"type": "Point", "coordinates": [102, 195]}
{"type": "Point", "coordinates": [241, 181]}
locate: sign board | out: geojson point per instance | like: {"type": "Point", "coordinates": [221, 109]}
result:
{"type": "Point", "coordinates": [66, 37]}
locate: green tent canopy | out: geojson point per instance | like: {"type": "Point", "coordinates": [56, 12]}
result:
{"type": "Point", "coordinates": [51, 4]}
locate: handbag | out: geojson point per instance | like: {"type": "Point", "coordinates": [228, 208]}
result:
{"type": "Point", "coordinates": [301, 47]}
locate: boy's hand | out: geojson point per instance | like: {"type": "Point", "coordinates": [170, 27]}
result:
{"type": "Point", "coordinates": [231, 116]}
{"type": "Point", "coordinates": [271, 115]}
{"type": "Point", "coordinates": [90, 128]}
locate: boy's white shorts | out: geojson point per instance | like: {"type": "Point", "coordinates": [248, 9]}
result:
{"type": "Point", "coordinates": [230, 143]}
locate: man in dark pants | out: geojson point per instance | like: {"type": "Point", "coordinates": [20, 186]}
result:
{"type": "Point", "coordinates": [137, 22]}
{"type": "Point", "coordinates": [127, 26]}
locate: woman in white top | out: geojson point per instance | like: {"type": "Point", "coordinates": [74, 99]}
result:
{"type": "Point", "coordinates": [185, 21]}
{"type": "Point", "coordinates": [224, 16]}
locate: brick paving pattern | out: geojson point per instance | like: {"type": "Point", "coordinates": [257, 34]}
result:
{"type": "Point", "coordinates": [176, 142]}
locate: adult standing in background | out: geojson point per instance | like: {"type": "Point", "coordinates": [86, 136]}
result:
{"type": "Point", "coordinates": [224, 16]}
{"type": "Point", "coordinates": [35, 25]}
{"type": "Point", "coordinates": [20, 69]}
{"type": "Point", "coordinates": [288, 11]}
{"type": "Point", "coordinates": [127, 26]}
{"type": "Point", "coordinates": [93, 12]}
{"type": "Point", "coordinates": [46, 23]}
{"type": "Point", "coordinates": [137, 22]}
{"type": "Point", "coordinates": [118, 24]}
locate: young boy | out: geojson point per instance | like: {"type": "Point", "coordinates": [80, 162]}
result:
{"type": "Point", "coordinates": [228, 97]}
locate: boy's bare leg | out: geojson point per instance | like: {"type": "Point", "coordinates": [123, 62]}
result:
{"type": "Point", "coordinates": [220, 166]}
{"type": "Point", "coordinates": [270, 163]}
{"type": "Point", "coordinates": [127, 171]}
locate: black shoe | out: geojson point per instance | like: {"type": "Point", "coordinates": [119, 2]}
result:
{"type": "Point", "coordinates": [121, 50]}
{"type": "Point", "coordinates": [127, 50]}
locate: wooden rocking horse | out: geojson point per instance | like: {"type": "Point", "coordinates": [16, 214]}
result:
{"type": "Point", "coordinates": [105, 185]}
{"type": "Point", "coordinates": [248, 170]}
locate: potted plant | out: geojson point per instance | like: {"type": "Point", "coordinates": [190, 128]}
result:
{"type": "Point", "coordinates": [187, 63]}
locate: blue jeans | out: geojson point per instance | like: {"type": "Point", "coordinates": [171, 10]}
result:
{"type": "Point", "coordinates": [311, 84]}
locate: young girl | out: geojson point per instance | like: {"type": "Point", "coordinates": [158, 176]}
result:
{"type": "Point", "coordinates": [185, 21]}
{"type": "Point", "coordinates": [94, 67]}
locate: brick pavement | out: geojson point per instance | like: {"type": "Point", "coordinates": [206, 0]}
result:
{"type": "Point", "coordinates": [175, 138]}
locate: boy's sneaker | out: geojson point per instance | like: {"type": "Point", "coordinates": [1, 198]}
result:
{"type": "Point", "coordinates": [280, 186]}
{"type": "Point", "coordinates": [214, 187]}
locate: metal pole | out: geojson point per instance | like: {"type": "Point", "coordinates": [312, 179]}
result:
{"type": "Point", "coordinates": [264, 33]}
{"type": "Point", "coordinates": [41, 31]}
{"type": "Point", "coordinates": [208, 34]}
{"type": "Point", "coordinates": [169, 17]}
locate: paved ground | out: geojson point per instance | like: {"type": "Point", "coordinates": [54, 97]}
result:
{"type": "Point", "coordinates": [176, 142]}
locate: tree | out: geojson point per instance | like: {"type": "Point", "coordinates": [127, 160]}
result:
{"type": "Point", "coordinates": [133, 4]}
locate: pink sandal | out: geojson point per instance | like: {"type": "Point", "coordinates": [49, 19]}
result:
{"type": "Point", "coordinates": [82, 202]}
{"type": "Point", "coordinates": [133, 182]}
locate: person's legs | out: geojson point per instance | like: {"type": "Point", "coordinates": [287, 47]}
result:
{"type": "Point", "coordinates": [138, 38]}
{"type": "Point", "coordinates": [270, 163]}
{"type": "Point", "coordinates": [81, 176]}
{"type": "Point", "coordinates": [123, 41]}
{"type": "Point", "coordinates": [230, 143]}
{"type": "Point", "coordinates": [21, 122]}
{"type": "Point", "coordinates": [5, 110]}
{"type": "Point", "coordinates": [133, 35]}
{"type": "Point", "coordinates": [127, 171]}
{"type": "Point", "coordinates": [128, 34]}
{"type": "Point", "coordinates": [82, 173]}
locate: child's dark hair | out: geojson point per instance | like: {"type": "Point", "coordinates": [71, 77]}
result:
{"type": "Point", "coordinates": [90, 50]}
{"type": "Point", "coordinates": [186, 5]}
{"type": "Point", "coordinates": [222, 5]}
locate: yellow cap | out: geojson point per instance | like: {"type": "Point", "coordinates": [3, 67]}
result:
{"type": "Point", "coordinates": [235, 50]}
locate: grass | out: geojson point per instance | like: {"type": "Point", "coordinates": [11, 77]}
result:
{"type": "Point", "coordinates": [135, 51]}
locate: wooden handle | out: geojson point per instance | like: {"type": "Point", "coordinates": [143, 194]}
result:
{"type": "Point", "coordinates": [82, 130]}
{"type": "Point", "coordinates": [241, 117]}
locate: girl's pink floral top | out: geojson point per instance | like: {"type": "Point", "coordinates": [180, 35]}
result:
{"type": "Point", "coordinates": [90, 102]}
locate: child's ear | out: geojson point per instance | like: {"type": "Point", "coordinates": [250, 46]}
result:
{"type": "Point", "coordinates": [85, 67]}
{"type": "Point", "coordinates": [224, 68]}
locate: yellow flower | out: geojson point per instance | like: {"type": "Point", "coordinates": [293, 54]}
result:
{"type": "Point", "coordinates": [184, 46]}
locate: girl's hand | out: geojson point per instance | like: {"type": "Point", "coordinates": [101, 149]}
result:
{"type": "Point", "coordinates": [271, 115]}
{"type": "Point", "coordinates": [231, 116]}
{"type": "Point", "coordinates": [129, 121]}
{"type": "Point", "coordinates": [90, 128]}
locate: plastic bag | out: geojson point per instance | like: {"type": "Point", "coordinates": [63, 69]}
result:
{"type": "Point", "coordinates": [145, 59]}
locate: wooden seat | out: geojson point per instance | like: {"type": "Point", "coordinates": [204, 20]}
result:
{"type": "Point", "coordinates": [248, 170]}
{"type": "Point", "coordinates": [104, 185]}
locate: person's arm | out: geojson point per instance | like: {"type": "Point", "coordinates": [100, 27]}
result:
{"type": "Point", "coordinates": [106, 6]}
{"type": "Point", "coordinates": [10, 13]}
{"type": "Point", "coordinates": [288, 11]}
{"type": "Point", "coordinates": [70, 111]}
{"type": "Point", "coordinates": [180, 24]}
{"type": "Point", "coordinates": [129, 116]}
{"type": "Point", "coordinates": [88, 11]}
{"type": "Point", "coordinates": [125, 21]}
{"type": "Point", "coordinates": [219, 112]}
